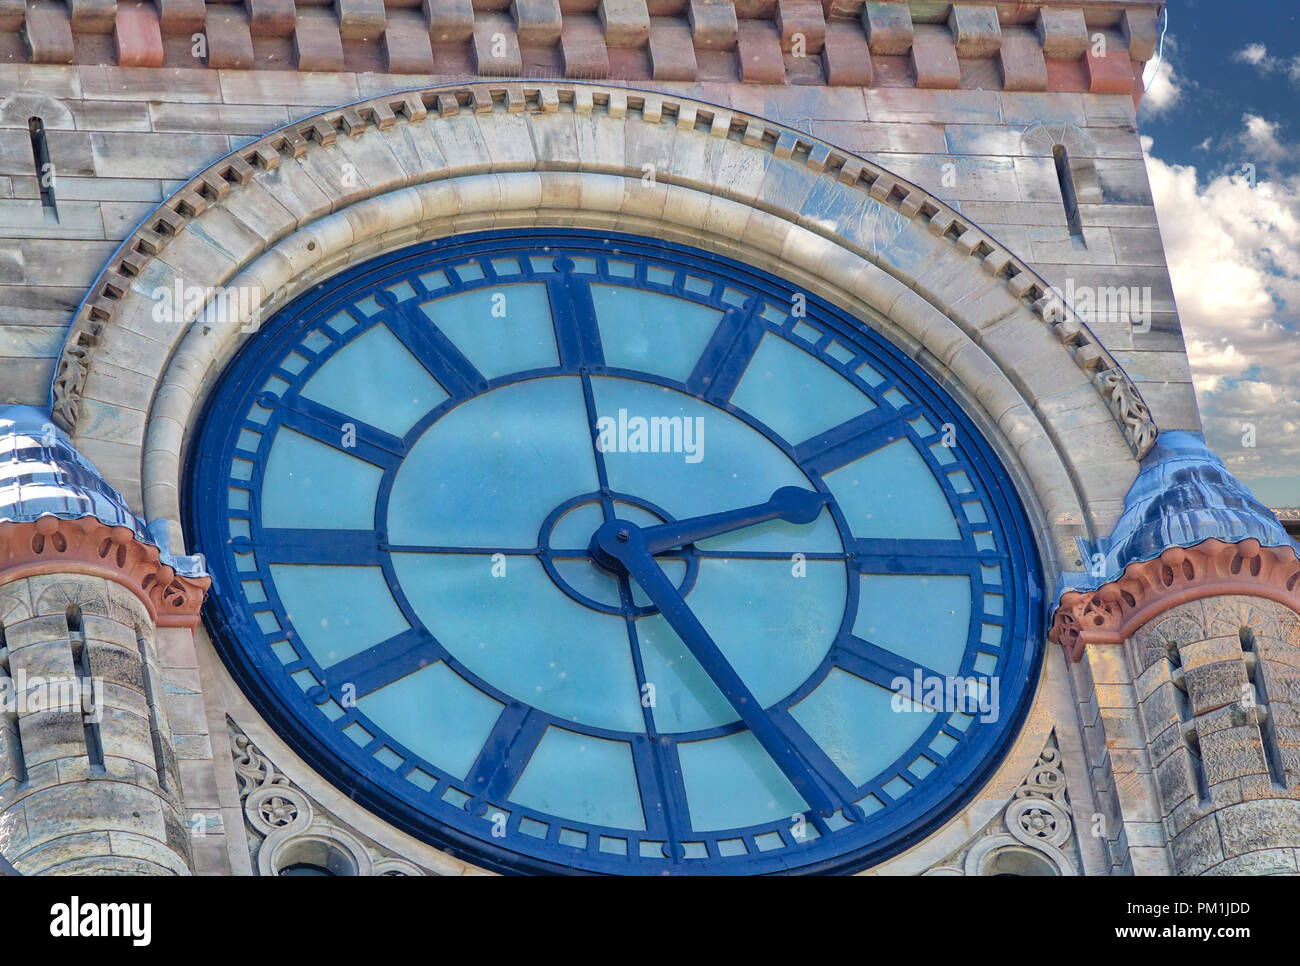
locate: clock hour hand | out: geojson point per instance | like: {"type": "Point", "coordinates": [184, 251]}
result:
{"type": "Point", "coordinates": [625, 544]}
{"type": "Point", "coordinates": [790, 503]}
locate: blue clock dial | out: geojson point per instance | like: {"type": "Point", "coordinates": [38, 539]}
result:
{"type": "Point", "coordinates": [570, 552]}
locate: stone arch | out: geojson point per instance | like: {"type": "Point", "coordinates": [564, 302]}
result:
{"type": "Point", "coordinates": [301, 203]}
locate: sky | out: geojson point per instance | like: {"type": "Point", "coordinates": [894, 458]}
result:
{"type": "Point", "coordinates": [1221, 129]}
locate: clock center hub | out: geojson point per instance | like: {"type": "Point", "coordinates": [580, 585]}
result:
{"type": "Point", "coordinates": [587, 575]}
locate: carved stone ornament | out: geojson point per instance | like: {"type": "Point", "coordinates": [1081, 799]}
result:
{"type": "Point", "coordinates": [1110, 614]}
{"type": "Point", "coordinates": [286, 828]}
{"type": "Point", "coordinates": [1034, 834]}
{"type": "Point", "coordinates": [51, 545]}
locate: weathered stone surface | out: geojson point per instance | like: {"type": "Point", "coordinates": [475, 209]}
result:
{"type": "Point", "coordinates": [496, 47]}
{"type": "Point", "coordinates": [1195, 654]}
{"type": "Point", "coordinates": [759, 49]}
{"type": "Point", "coordinates": [450, 21]}
{"type": "Point", "coordinates": [846, 56]}
{"type": "Point", "coordinates": [1215, 685]}
{"type": "Point", "coordinates": [271, 18]}
{"type": "Point", "coordinates": [181, 17]}
{"type": "Point", "coordinates": [626, 22]}
{"type": "Point", "coordinates": [115, 664]}
{"type": "Point", "coordinates": [45, 661]}
{"type": "Point", "coordinates": [317, 45]}
{"type": "Point", "coordinates": [1232, 753]}
{"type": "Point", "coordinates": [360, 19]}
{"type": "Point", "coordinates": [36, 630]}
{"type": "Point", "coordinates": [1176, 779]}
{"type": "Point", "coordinates": [889, 27]}
{"type": "Point", "coordinates": [230, 45]}
{"type": "Point", "coordinates": [406, 48]}
{"type": "Point", "coordinates": [934, 58]}
{"type": "Point", "coordinates": [537, 21]}
{"type": "Point", "coordinates": [12, 14]}
{"type": "Point", "coordinates": [801, 19]}
{"type": "Point", "coordinates": [672, 57]}
{"type": "Point", "coordinates": [976, 30]}
{"type": "Point", "coordinates": [1062, 32]}
{"type": "Point", "coordinates": [70, 803]}
{"type": "Point", "coordinates": [1141, 28]}
{"type": "Point", "coordinates": [582, 47]}
{"type": "Point", "coordinates": [93, 16]}
{"type": "Point", "coordinates": [1021, 60]}
{"type": "Point", "coordinates": [138, 37]}
{"type": "Point", "coordinates": [1265, 862]}
{"type": "Point", "coordinates": [50, 735]}
{"type": "Point", "coordinates": [1111, 74]}
{"type": "Point", "coordinates": [49, 34]}
{"type": "Point", "coordinates": [1251, 826]}
{"type": "Point", "coordinates": [1197, 847]}
{"type": "Point", "coordinates": [713, 24]}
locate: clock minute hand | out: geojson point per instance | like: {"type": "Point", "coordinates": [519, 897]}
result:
{"type": "Point", "coordinates": [625, 543]}
{"type": "Point", "coordinates": [790, 503]}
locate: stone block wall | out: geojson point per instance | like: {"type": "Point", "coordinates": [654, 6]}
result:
{"type": "Point", "coordinates": [1024, 46]}
{"type": "Point", "coordinates": [122, 139]}
{"type": "Point", "coordinates": [1218, 698]}
{"type": "Point", "coordinates": [1190, 730]}
{"type": "Point", "coordinates": [972, 102]}
{"type": "Point", "coordinates": [90, 786]}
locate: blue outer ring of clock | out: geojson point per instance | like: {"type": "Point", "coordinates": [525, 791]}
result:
{"type": "Point", "coordinates": [463, 832]}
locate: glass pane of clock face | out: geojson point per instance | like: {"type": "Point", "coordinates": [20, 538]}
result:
{"type": "Point", "coordinates": [403, 482]}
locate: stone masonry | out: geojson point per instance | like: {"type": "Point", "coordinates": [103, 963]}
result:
{"type": "Point", "coordinates": [1181, 738]}
{"type": "Point", "coordinates": [121, 139]}
{"type": "Point", "coordinates": [1219, 700]}
{"type": "Point", "coordinates": [1190, 728]}
{"type": "Point", "coordinates": [86, 793]}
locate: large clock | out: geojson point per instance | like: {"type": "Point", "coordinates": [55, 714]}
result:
{"type": "Point", "coordinates": [577, 552]}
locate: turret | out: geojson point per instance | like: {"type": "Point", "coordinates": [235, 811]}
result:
{"type": "Point", "coordinates": [88, 775]}
{"type": "Point", "coordinates": [1186, 642]}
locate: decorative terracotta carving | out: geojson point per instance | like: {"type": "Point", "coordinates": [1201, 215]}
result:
{"type": "Point", "coordinates": [1110, 614]}
{"type": "Point", "coordinates": [52, 545]}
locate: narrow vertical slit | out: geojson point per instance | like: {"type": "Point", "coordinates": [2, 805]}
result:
{"type": "Point", "coordinates": [1069, 197]}
{"type": "Point", "coordinates": [1267, 731]}
{"type": "Point", "coordinates": [41, 157]}
{"type": "Point", "coordinates": [89, 720]}
{"type": "Point", "coordinates": [1198, 767]}
{"type": "Point", "coordinates": [155, 733]}
{"type": "Point", "coordinates": [10, 719]}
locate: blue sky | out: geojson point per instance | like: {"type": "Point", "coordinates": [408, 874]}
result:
{"type": "Point", "coordinates": [1221, 125]}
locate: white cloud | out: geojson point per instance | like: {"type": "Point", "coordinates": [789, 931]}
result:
{"type": "Point", "coordinates": [1234, 257]}
{"type": "Point", "coordinates": [1261, 140]}
{"type": "Point", "coordinates": [1253, 54]}
{"type": "Point", "coordinates": [1257, 56]}
{"type": "Point", "coordinates": [1164, 90]}
{"type": "Point", "coordinates": [1163, 84]}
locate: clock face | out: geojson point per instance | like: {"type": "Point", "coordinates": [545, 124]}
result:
{"type": "Point", "coordinates": [576, 552]}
